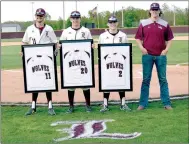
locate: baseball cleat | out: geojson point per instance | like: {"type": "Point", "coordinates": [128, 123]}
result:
{"type": "Point", "coordinates": [104, 109]}
{"type": "Point", "coordinates": [88, 109]}
{"type": "Point", "coordinates": [70, 110]}
{"type": "Point", "coordinates": [30, 111]}
{"type": "Point", "coordinates": [51, 111]}
{"type": "Point", "coordinates": [124, 108]}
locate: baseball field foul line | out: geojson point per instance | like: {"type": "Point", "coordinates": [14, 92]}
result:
{"type": "Point", "coordinates": [95, 103]}
{"type": "Point", "coordinates": [182, 64]}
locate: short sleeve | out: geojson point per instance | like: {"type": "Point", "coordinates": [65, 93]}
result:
{"type": "Point", "coordinates": [53, 36]}
{"type": "Point", "coordinates": [89, 35]}
{"type": "Point", "coordinates": [26, 36]}
{"type": "Point", "coordinates": [100, 39]}
{"type": "Point", "coordinates": [126, 39]}
{"type": "Point", "coordinates": [63, 35]}
{"type": "Point", "coordinates": [168, 34]}
{"type": "Point", "coordinates": [139, 33]}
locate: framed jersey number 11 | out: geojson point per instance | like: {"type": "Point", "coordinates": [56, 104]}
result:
{"type": "Point", "coordinates": [39, 68]}
{"type": "Point", "coordinates": [115, 67]}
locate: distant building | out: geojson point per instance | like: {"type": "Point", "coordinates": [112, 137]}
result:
{"type": "Point", "coordinates": [90, 25]}
{"type": "Point", "coordinates": [10, 28]}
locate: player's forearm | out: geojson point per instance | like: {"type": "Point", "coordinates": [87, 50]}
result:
{"type": "Point", "coordinates": [57, 45]}
{"type": "Point", "coordinates": [24, 43]}
{"type": "Point", "coordinates": [168, 45]}
{"type": "Point", "coordinates": [139, 42]}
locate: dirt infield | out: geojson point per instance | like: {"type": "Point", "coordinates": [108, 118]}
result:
{"type": "Point", "coordinates": [13, 86]}
{"type": "Point", "coordinates": [19, 43]}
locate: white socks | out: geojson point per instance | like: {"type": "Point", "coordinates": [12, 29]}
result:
{"type": "Point", "coordinates": [105, 102]}
{"type": "Point", "coordinates": [123, 101]}
{"type": "Point", "coordinates": [50, 104]}
{"type": "Point", "coordinates": [33, 104]}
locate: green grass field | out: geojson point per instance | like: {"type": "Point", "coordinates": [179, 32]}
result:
{"type": "Point", "coordinates": [178, 53]}
{"type": "Point", "coordinates": [156, 124]}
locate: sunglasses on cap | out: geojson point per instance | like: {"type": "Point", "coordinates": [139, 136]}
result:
{"type": "Point", "coordinates": [40, 13]}
{"type": "Point", "coordinates": [75, 14]}
{"type": "Point", "coordinates": [75, 17]}
{"type": "Point", "coordinates": [41, 16]}
{"type": "Point", "coordinates": [112, 21]}
{"type": "Point", "coordinates": [154, 9]}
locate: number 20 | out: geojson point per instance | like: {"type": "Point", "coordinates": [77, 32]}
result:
{"type": "Point", "coordinates": [84, 70]}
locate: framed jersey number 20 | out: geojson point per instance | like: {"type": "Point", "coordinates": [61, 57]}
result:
{"type": "Point", "coordinates": [39, 68]}
{"type": "Point", "coordinates": [115, 67]}
{"type": "Point", "coordinates": [77, 64]}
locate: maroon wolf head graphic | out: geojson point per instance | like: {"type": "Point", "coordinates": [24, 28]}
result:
{"type": "Point", "coordinates": [90, 129]}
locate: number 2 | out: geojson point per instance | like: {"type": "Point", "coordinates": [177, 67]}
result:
{"type": "Point", "coordinates": [120, 73]}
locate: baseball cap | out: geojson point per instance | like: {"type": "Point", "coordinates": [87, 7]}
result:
{"type": "Point", "coordinates": [40, 12]}
{"type": "Point", "coordinates": [154, 6]}
{"type": "Point", "coordinates": [75, 14]}
{"type": "Point", "coordinates": [112, 19]}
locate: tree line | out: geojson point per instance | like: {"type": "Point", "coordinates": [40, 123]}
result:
{"type": "Point", "coordinates": [131, 18]}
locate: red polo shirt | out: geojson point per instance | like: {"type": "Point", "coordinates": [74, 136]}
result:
{"type": "Point", "coordinates": [154, 35]}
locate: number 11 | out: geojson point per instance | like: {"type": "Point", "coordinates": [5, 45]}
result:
{"type": "Point", "coordinates": [48, 75]}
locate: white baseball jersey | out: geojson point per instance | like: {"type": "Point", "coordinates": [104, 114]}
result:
{"type": "Point", "coordinates": [40, 72]}
{"type": "Point", "coordinates": [77, 67]}
{"type": "Point", "coordinates": [33, 36]}
{"type": "Point", "coordinates": [107, 37]}
{"type": "Point", "coordinates": [114, 63]}
{"type": "Point", "coordinates": [114, 69]}
{"type": "Point", "coordinates": [72, 34]}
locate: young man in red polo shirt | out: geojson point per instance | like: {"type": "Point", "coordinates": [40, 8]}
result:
{"type": "Point", "coordinates": [154, 37]}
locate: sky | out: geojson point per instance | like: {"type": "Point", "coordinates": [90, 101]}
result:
{"type": "Point", "coordinates": [23, 11]}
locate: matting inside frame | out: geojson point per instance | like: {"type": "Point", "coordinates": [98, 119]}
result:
{"type": "Point", "coordinates": [77, 66]}
{"type": "Point", "coordinates": [115, 67]}
{"type": "Point", "coordinates": [39, 67]}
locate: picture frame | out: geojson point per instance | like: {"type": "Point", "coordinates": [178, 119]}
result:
{"type": "Point", "coordinates": [77, 64]}
{"type": "Point", "coordinates": [39, 68]}
{"type": "Point", "coordinates": [115, 67]}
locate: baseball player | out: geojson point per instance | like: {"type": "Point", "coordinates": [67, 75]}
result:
{"type": "Point", "coordinates": [77, 32]}
{"type": "Point", "coordinates": [40, 33]}
{"type": "Point", "coordinates": [113, 35]}
{"type": "Point", "coordinates": [154, 37]}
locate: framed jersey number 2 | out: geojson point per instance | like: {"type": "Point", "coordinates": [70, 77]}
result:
{"type": "Point", "coordinates": [115, 67]}
{"type": "Point", "coordinates": [39, 67]}
{"type": "Point", "coordinates": [77, 64]}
